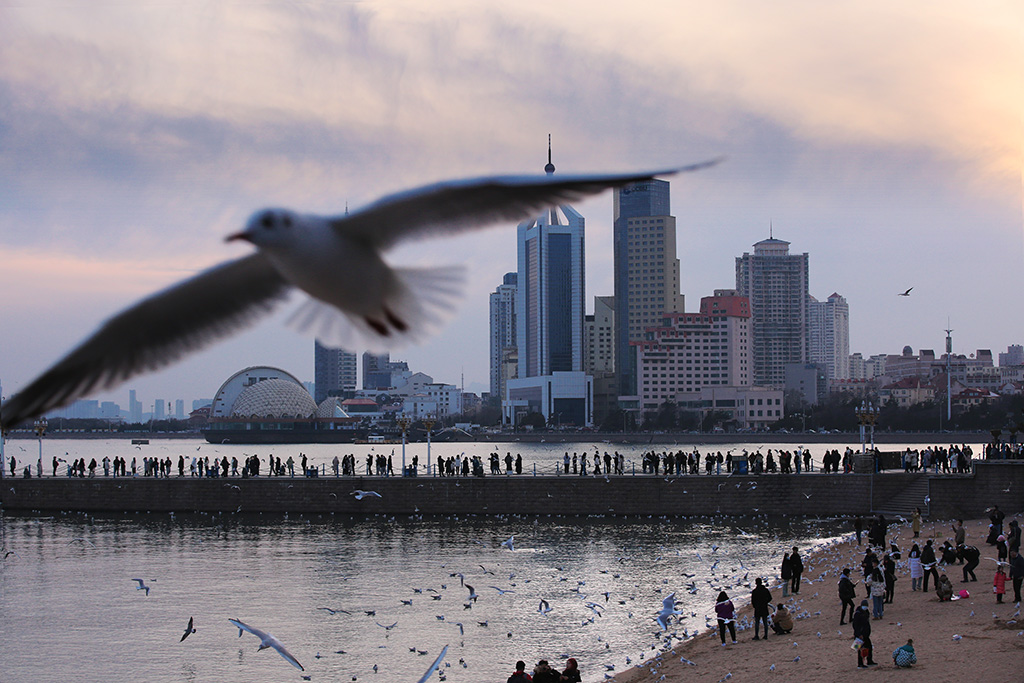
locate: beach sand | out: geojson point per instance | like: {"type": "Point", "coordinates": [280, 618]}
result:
{"type": "Point", "coordinates": [990, 649]}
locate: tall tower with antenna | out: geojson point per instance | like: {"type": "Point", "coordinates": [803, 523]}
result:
{"type": "Point", "coordinates": [949, 369]}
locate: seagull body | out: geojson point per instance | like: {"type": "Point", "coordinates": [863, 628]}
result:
{"type": "Point", "coordinates": [365, 494]}
{"type": "Point", "coordinates": [329, 258]}
{"type": "Point", "coordinates": [189, 630]}
{"type": "Point", "coordinates": [267, 640]}
{"type": "Point", "coordinates": [906, 293]}
{"type": "Point", "coordinates": [510, 543]}
{"type": "Point", "coordinates": [142, 586]}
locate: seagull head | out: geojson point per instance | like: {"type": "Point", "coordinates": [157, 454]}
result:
{"type": "Point", "coordinates": [268, 228]}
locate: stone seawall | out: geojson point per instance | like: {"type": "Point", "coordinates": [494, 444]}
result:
{"type": "Point", "coordinates": [805, 494]}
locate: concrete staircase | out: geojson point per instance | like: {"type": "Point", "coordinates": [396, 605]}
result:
{"type": "Point", "coordinates": [903, 503]}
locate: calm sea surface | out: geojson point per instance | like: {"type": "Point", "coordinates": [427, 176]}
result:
{"type": "Point", "coordinates": [69, 610]}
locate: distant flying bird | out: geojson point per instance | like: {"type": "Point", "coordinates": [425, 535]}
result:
{"type": "Point", "coordinates": [510, 543]}
{"type": "Point", "coordinates": [188, 630]}
{"type": "Point", "coordinates": [356, 299]}
{"type": "Point", "coordinates": [363, 494]}
{"type": "Point", "coordinates": [267, 640]}
{"type": "Point", "coordinates": [906, 293]}
{"type": "Point", "coordinates": [142, 586]}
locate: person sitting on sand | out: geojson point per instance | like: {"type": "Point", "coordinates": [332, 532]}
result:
{"type": "Point", "coordinates": [905, 657]}
{"type": "Point", "coordinates": [782, 622]}
{"type": "Point", "coordinates": [944, 589]}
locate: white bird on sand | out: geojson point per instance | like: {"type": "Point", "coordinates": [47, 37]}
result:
{"type": "Point", "coordinates": [364, 494]}
{"type": "Point", "coordinates": [433, 667]}
{"type": "Point", "coordinates": [330, 258]}
{"type": "Point", "coordinates": [142, 586]}
{"type": "Point", "coordinates": [267, 640]}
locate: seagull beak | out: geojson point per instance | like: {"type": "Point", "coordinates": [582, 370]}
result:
{"type": "Point", "coordinates": [238, 236]}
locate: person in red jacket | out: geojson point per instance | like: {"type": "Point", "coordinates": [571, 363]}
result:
{"type": "Point", "coordinates": [519, 675]}
{"type": "Point", "coordinates": [999, 583]}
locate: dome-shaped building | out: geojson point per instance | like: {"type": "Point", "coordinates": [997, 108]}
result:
{"type": "Point", "coordinates": [274, 398]}
{"type": "Point", "coordinates": [263, 404]}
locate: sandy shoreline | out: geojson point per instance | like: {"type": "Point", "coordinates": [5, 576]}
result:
{"type": "Point", "coordinates": [990, 649]}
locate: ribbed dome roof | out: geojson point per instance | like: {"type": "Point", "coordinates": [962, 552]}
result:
{"type": "Point", "coordinates": [331, 407]}
{"type": "Point", "coordinates": [274, 398]}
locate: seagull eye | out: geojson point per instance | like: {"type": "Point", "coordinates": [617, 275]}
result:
{"type": "Point", "coordinates": [267, 221]}
{"type": "Point", "coordinates": [286, 220]}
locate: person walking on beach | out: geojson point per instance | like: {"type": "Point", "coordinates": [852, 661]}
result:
{"type": "Point", "coordinates": [1016, 573]}
{"type": "Point", "coordinates": [928, 563]}
{"type": "Point", "coordinates": [915, 522]}
{"type": "Point", "coordinates": [846, 595]}
{"type": "Point", "coordinates": [862, 632]}
{"type": "Point", "coordinates": [999, 583]}
{"type": "Point", "coordinates": [786, 574]}
{"type": "Point", "coordinates": [959, 535]}
{"type": "Point", "coordinates": [726, 617]}
{"type": "Point", "coordinates": [858, 526]}
{"type": "Point", "coordinates": [916, 570]}
{"type": "Point", "coordinates": [760, 599]}
{"type": "Point", "coordinates": [797, 566]}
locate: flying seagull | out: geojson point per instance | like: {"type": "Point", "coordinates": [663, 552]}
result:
{"type": "Point", "coordinates": [356, 299]}
{"type": "Point", "coordinates": [906, 293]}
{"type": "Point", "coordinates": [267, 640]}
{"type": "Point", "coordinates": [189, 630]}
{"type": "Point", "coordinates": [363, 494]}
{"type": "Point", "coordinates": [142, 586]}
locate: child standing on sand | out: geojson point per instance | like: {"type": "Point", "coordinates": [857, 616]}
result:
{"type": "Point", "coordinates": [999, 583]}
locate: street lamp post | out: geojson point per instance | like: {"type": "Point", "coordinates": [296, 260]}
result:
{"type": "Point", "coordinates": [867, 416]}
{"type": "Point", "coordinates": [40, 427]}
{"type": "Point", "coordinates": [428, 424]}
{"type": "Point", "coordinates": [403, 424]}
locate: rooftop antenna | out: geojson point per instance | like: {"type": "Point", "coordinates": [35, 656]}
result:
{"type": "Point", "coordinates": [770, 234]}
{"type": "Point", "coordinates": [949, 354]}
{"type": "Point", "coordinates": [550, 167]}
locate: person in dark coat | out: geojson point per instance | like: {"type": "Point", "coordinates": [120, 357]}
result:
{"type": "Point", "coordinates": [972, 556]}
{"type": "Point", "coordinates": [519, 675]}
{"type": "Point", "coordinates": [1016, 573]}
{"type": "Point", "coordinates": [761, 600]}
{"type": "Point", "coordinates": [928, 562]}
{"type": "Point", "coordinates": [543, 673]}
{"type": "Point", "coordinates": [571, 673]}
{"type": "Point", "coordinates": [846, 595]}
{"type": "Point", "coordinates": [862, 630]}
{"type": "Point", "coordinates": [797, 566]}
{"type": "Point", "coordinates": [786, 573]}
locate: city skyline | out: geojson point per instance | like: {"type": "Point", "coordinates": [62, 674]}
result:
{"type": "Point", "coordinates": [883, 142]}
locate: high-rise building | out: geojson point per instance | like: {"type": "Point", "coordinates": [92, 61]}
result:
{"type": "Point", "coordinates": [549, 297]}
{"type": "Point", "coordinates": [376, 373]}
{"type": "Point", "coordinates": [134, 407]}
{"type": "Point", "coordinates": [689, 351]}
{"type": "Point", "coordinates": [599, 332]}
{"type": "Point", "coordinates": [549, 320]}
{"type": "Point", "coordinates": [158, 409]}
{"type": "Point", "coordinates": [503, 330]}
{"type": "Point", "coordinates": [828, 333]}
{"type": "Point", "coordinates": [776, 283]}
{"type": "Point", "coordinates": [179, 409]}
{"type": "Point", "coordinates": [1014, 356]}
{"type": "Point", "coordinates": [334, 371]}
{"type": "Point", "coordinates": [647, 280]}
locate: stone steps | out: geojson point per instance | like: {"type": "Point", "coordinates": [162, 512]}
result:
{"type": "Point", "coordinates": [904, 502]}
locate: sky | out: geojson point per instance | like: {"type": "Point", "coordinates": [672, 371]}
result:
{"type": "Point", "coordinates": [882, 137]}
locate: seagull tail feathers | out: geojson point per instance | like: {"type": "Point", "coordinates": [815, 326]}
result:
{"type": "Point", "coordinates": [423, 300]}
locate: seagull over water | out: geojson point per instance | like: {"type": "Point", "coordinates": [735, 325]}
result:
{"type": "Point", "coordinates": [189, 630]}
{"type": "Point", "coordinates": [356, 299]}
{"type": "Point", "coordinates": [363, 494]}
{"type": "Point", "coordinates": [142, 586]}
{"type": "Point", "coordinates": [267, 640]}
